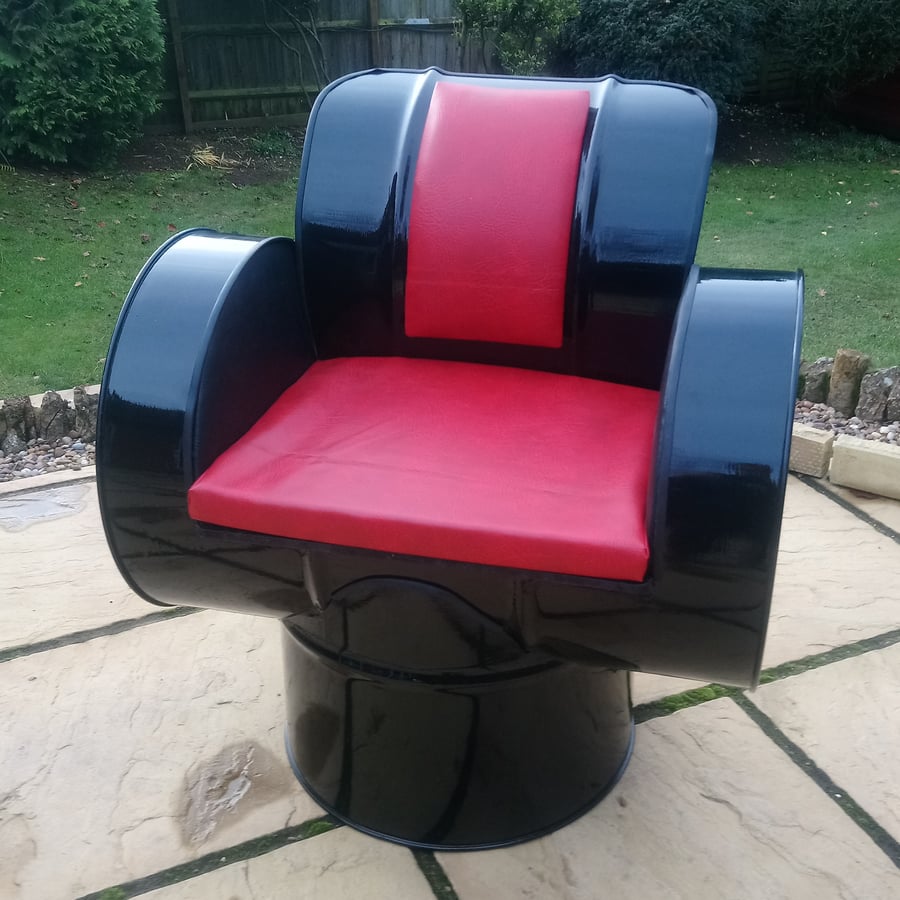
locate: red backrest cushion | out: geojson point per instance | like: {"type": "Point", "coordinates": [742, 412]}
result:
{"type": "Point", "coordinates": [491, 216]}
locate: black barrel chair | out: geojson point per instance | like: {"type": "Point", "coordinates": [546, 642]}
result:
{"type": "Point", "coordinates": [482, 437]}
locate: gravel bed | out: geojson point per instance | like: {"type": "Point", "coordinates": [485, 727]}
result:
{"type": "Point", "coordinates": [825, 418]}
{"type": "Point", "coordinates": [41, 457]}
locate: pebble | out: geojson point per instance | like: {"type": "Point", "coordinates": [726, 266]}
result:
{"type": "Point", "coordinates": [826, 419]}
{"type": "Point", "coordinates": [41, 457]}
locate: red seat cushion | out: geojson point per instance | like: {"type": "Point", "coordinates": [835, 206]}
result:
{"type": "Point", "coordinates": [475, 463]}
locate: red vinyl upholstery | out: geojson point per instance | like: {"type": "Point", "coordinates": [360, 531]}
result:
{"type": "Point", "coordinates": [480, 464]}
{"type": "Point", "coordinates": [491, 215]}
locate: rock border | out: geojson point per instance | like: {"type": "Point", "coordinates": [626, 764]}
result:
{"type": "Point", "coordinates": [56, 435]}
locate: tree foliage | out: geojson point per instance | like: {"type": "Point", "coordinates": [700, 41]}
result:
{"type": "Point", "coordinates": [836, 44]}
{"type": "Point", "coordinates": [519, 35]}
{"type": "Point", "coordinates": [709, 44]}
{"type": "Point", "coordinates": [77, 77]}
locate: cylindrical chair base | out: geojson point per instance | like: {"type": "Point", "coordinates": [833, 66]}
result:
{"type": "Point", "coordinates": [471, 763]}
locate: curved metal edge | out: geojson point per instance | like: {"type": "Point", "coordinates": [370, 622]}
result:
{"type": "Point", "coordinates": [722, 456]}
{"type": "Point", "coordinates": [131, 298]}
{"type": "Point", "coordinates": [168, 329]}
{"type": "Point", "coordinates": [256, 344]}
{"type": "Point", "coordinates": [604, 792]}
{"type": "Point", "coordinates": [635, 224]}
{"type": "Point", "coordinates": [785, 458]}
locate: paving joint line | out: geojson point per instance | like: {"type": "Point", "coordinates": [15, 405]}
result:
{"type": "Point", "coordinates": [665, 706]}
{"type": "Point", "coordinates": [434, 873]}
{"type": "Point", "coordinates": [209, 862]}
{"type": "Point", "coordinates": [89, 634]}
{"type": "Point", "coordinates": [879, 835]}
{"type": "Point", "coordinates": [880, 527]}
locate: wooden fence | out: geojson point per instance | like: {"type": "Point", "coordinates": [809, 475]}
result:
{"type": "Point", "coordinates": [234, 62]}
{"type": "Point", "coordinates": [239, 63]}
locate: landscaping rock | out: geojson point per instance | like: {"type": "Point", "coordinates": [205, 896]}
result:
{"type": "Point", "coordinates": [892, 407]}
{"type": "Point", "coordinates": [874, 391]}
{"type": "Point", "coordinates": [85, 414]}
{"type": "Point", "coordinates": [20, 420]}
{"type": "Point", "coordinates": [55, 417]}
{"type": "Point", "coordinates": [816, 377]}
{"type": "Point", "coordinates": [12, 444]}
{"type": "Point", "coordinates": [846, 375]}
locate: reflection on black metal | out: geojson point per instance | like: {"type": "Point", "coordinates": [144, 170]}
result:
{"type": "Point", "coordinates": [437, 703]}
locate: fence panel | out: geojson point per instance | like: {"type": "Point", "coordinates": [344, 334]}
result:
{"type": "Point", "coordinates": [228, 61]}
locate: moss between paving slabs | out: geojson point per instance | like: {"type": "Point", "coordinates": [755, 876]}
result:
{"type": "Point", "coordinates": [212, 861]}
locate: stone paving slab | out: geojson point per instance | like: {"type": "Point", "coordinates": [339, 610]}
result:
{"type": "Point", "coordinates": [837, 581]}
{"type": "Point", "coordinates": [131, 753]}
{"type": "Point", "coordinates": [882, 509]}
{"type": "Point", "coordinates": [846, 717]}
{"type": "Point", "coordinates": [56, 572]}
{"type": "Point", "coordinates": [834, 583]}
{"type": "Point", "coordinates": [708, 808]}
{"type": "Point", "coordinates": [340, 865]}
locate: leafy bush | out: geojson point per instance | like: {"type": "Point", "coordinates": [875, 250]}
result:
{"type": "Point", "coordinates": [836, 44]}
{"type": "Point", "coordinates": [518, 34]}
{"type": "Point", "coordinates": [77, 77]}
{"type": "Point", "coordinates": [709, 44]}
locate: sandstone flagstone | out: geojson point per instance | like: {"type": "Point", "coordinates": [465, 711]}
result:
{"type": "Point", "coordinates": [339, 865]}
{"type": "Point", "coordinates": [836, 580]}
{"type": "Point", "coordinates": [836, 583]}
{"type": "Point", "coordinates": [883, 509]}
{"type": "Point", "coordinates": [131, 753]}
{"type": "Point", "coordinates": [56, 572]}
{"type": "Point", "coordinates": [708, 808]}
{"type": "Point", "coordinates": [846, 716]}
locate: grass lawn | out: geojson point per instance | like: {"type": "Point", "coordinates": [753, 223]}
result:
{"type": "Point", "coordinates": [839, 221]}
{"type": "Point", "coordinates": [70, 247]}
{"type": "Point", "coordinates": [69, 253]}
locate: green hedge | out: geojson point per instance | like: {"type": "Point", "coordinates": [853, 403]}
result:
{"type": "Point", "coordinates": [834, 45]}
{"type": "Point", "coordinates": [709, 44]}
{"type": "Point", "coordinates": [77, 77]}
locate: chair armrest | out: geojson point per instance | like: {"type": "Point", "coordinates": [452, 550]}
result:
{"type": "Point", "coordinates": [723, 441]}
{"type": "Point", "coordinates": [211, 333]}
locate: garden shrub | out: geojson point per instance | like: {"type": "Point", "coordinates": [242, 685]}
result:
{"type": "Point", "coordinates": [77, 77]}
{"type": "Point", "coordinates": [710, 44]}
{"type": "Point", "coordinates": [517, 35]}
{"type": "Point", "coordinates": [835, 45]}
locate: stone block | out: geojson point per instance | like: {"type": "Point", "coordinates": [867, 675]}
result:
{"type": "Point", "coordinates": [843, 390]}
{"type": "Point", "coordinates": [866, 466]}
{"type": "Point", "coordinates": [810, 450]}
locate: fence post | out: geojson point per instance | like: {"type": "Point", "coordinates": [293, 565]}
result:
{"type": "Point", "coordinates": [374, 34]}
{"type": "Point", "coordinates": [180, 66]}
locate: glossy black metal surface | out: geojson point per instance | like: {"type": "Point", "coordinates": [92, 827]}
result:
{"type": "Point", "coordinates": [209, 336]}
{"type": "Point", "coordinates": [462, 762]}
{"type": "Point", "coordinates": [437, 703]}
{"type": "Point", "coordinates": [639, 202]}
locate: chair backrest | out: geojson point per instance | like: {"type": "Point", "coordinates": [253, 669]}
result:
{"type": "Point", "coordinates": [542, 223]}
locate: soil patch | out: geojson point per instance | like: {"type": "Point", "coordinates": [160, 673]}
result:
{"type": "Point", "coordinates": [245, 156]}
